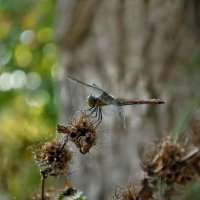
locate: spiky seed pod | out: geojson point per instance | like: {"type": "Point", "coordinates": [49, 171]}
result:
{"type": "Point", "coordinates": [164, 159]}
{"type": "Point", "coordinates": [145, 190]}
{"type": "Point", "coordinates": [147, 153]}
{"type": "Point", "coordinates": [81, 131]}
{"type": "Point", "coordinates": [168, 153]}
{"type": "Point", "coordinates": [53, 157]}
{"type": "Point", "coordinates": [171, 163]}
{"type": "Point", "coordinates": [164, 164]}
{"type": "Point", "coordinates": [187, 169]}
{"type": "Point", "coordinates": [128, 193]}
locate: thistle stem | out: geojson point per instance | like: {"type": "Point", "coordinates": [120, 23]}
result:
{"type": "Point", "coordinates": [42, 187]}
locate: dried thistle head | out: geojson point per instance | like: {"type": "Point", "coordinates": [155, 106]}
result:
{"type": "Point", "coordinates": [162, 158]}
{"type": "Point", "coordinates": [146, 190]}
{"type": "Point", "coordinates": [53, 157]}
{"type": "Point", "coordinates": [147, 154]}
{"type": "Point", "coordinates": [81, 131]}
{"type": "Point", "coordinates": [128, 193]}
{"type": "Point", "coordinates": [188, 168]}
{"type": "Point", "coordinates": [170, 162]}
{"type": "Point", "coordinates": [142, 191]}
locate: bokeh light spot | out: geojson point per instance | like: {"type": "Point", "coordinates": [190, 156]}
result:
{"type": "Point", "coordinates": [29, 20]}
{"type": "Point", "coordinates": [38, 98]}
{"type": "Point", "coordinates": [27, 37]}
{"type": "Point", "coordinates": [5, 55]}
{"type": "Point", "coordinates": [33, 81]}
{"type": "Point", "coordinates": [49, 48]}
{"type": "Point", "coordinates": [45, 34]}
{"type": "Point", "coordinates": [49, 60]}
{"type": "Point", "coordinates": [23, 55]}
{"type": "Point", "coordinates": [18, 79]}
{"type": "Point", "coordinates": [5, 25]}
{"type": "Point", "coordinates": [5, 81]}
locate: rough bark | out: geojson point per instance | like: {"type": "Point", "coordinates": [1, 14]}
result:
{"type": "Point", "coordinates": [131, 48]}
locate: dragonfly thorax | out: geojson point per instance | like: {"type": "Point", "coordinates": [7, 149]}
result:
{"type": "Point", "coordinates": [91, 101]}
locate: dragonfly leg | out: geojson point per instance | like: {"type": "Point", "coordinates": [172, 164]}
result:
{"type": "Point", "coordinates": [95, 112]}
{"type": "Point", "coordinates": [87, 111]}
{"type": "Point", "coordinates": [98, 121]}
{"type": "Point", "coordinates": [92, 111]}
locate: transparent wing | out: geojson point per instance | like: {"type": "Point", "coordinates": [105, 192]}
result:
{"type": "Point", "coordinates": [96, 86]}
{"type": "Point", "coordinates": [103, 95]}
{"type": "Point", "coordinates": [121, 115]}
{"type": "Point", "coordinates": [93, 87]}
{"type": "Point", "coordinates": [114, 109]}
{"type": "Point", "coordinates": [107, 99]}
{"type": "Point", "coordinates": [110, 110]}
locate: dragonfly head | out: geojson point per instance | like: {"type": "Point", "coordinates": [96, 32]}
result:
{"type": "Point", "coordinates": [91, 101]}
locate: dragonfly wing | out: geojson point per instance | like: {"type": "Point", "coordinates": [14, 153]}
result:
{"type": "Point", "coordinates": [109, 110]}
{"type": "Point", "coordinates": [121, 115]}
{"type": "Point", "coordinates": [114, 108]}
{"type": "Point", "coordinates": [96, 86]}
{"type": "Point", "coordinates": [107, 99]}
{"type": "Point", "coordinates": [93, 87]}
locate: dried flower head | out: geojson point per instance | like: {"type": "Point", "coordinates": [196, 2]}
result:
{"type": "Point", "coordinates": [128, 193]}
{"type": "Point", "coordinates": [53, 157]}
{"type": "Point", "coordinates": [188, 168]}
{"type": "Point", "coordinates": [142, 191]}
{"type": "Point", "coordinates": [81, 131]}
{"type": "Point", "coordinates": [165, 164]}
{"type": "Point", "coordinates": [170, 162]}
{"type": "Point", "coordinates": [164, 158]}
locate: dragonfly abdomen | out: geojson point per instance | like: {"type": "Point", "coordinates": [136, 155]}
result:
{"type": "Point", "coordinates": [124, 102]}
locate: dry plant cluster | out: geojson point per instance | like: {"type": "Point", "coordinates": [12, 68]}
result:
{"type": "Point", "coordinates": [54, 157]}
{"type": "Point", "coordinates": [165, 164]}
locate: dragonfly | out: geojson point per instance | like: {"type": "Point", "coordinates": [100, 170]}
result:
{"type": "Point", "coordinates": [103, 98]}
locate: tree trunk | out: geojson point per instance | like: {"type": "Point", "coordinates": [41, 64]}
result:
{"type": "Point", "coordinates": [129, 48]}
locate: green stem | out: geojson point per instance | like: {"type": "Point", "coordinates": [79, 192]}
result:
{"type": "Point", "coordinates": [42, 188]}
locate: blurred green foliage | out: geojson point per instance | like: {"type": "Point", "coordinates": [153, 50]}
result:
{"type": "Point", "coordinates": [28, 60]}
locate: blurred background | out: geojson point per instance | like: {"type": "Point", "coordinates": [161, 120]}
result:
{"type": "Point", "coordinates": [140, 48]}
{"type": "Point", "coordinates": [28, 61]}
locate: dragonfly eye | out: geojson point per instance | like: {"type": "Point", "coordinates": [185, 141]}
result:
{"type": "Point", "coordinates": [91, 101]}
